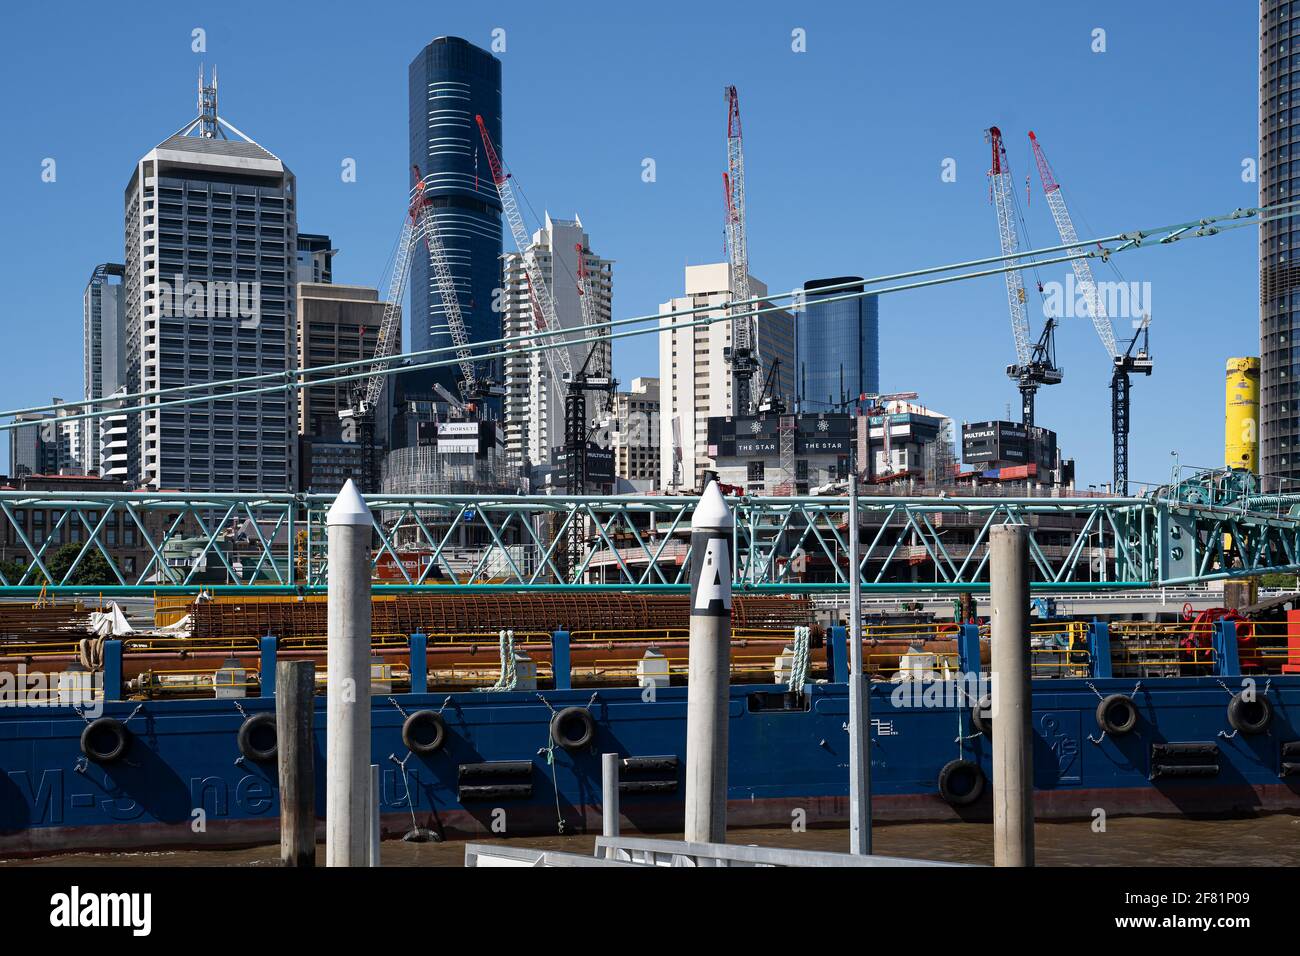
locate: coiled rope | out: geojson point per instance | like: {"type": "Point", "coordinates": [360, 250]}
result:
{"type": "Point", "coordinates": [508, 678]}
{"type": "Point", "coordinates": [799, 666]}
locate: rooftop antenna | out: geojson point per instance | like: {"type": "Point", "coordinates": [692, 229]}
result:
{"type": "Point", "coordinates": [208, 106]}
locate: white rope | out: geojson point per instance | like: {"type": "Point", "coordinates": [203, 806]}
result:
{"type": "Point", "coordinates": [799, 666]}
{"type": "Point", "coordinates": [508, 678]}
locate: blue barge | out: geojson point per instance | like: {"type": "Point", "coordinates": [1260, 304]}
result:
{"type": "Point", "coordinates": [192, 772]}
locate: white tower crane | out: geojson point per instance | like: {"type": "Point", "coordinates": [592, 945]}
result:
{"type": "Point", "coordinates": [1035, 362]}
{"type": "Point", "coordinates": [1123, 363]}
{"type": "Point", "coordinates": [557, 358]}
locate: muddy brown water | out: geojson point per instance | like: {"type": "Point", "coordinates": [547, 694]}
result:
{"type": "Point", "coordinates": [1132, 841]}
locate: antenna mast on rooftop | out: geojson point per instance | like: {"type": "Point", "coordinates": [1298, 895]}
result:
{"type": "Point", "coordinates": [208, 106]}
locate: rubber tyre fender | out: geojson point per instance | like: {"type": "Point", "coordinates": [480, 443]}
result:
{"type": "Point", "coordinates": [953, 775]}
{"type": "Point", "coordinates": [252, 737]}
{"type": "Point", "coordinates": [983, 724]}
{"type": "Point", "coordinates": [1117, 715]}
{"type": "Point", "coordinates": [562, 728]}
{"type": "Point", "coordinates": [424, 732]}
{"type": "Point", "coordinates": [1251, 717]}
{"type": "Point", "coordinates": [101, 731]}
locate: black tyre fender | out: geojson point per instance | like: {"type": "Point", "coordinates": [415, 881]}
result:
{"type": "Point", "coordinates": [1250, 716]}
{"type": "Point", "coordinates": [980, 718]}
{"type": "Point", "coordinates": [573, 728]}
{"type": "Point", "coordinates": [258, 739]}
{"type": "Point", "coordinates": [961, 782]}
{"type": "Point", "coordinates": [105, 739]}
{"type": "Point", "coordinates": [424, 732]}
{"type": "Point", "coordinates": [1117, 715]}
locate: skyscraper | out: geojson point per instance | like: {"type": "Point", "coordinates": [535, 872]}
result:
{"type": "Point", "coordinates": [103, 351]}
{"type": "Point", "coordinates": [1279, 270]}
{"type": "Point", "coordinates": [837, 345]}
{"type": "Point", "coordinates": [694, 376]}
{"type": "Point", "coordinates": [534, 404]}
{"type": "Point", "coordinates": [451, 82]}
{"type": "Point", "coordinates": [211, 252]}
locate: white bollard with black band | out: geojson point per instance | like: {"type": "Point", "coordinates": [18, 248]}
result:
{"type": "Point", "coordinates": [709, 671]}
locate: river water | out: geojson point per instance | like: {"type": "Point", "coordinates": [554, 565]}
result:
{"type": "Point", "coordinates": [1130, 841]}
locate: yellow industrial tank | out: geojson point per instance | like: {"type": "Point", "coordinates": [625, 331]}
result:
{"type": "Point", "coordinates": [1241, 421]}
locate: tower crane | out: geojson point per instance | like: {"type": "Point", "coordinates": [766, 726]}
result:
{"type": "Point", "coordinates": [743, 353]}
{"type": "Point", "coordinates": [557, 356]}
{"type": "Point", "coordinates": [1035, 362]}
{"type": "Point", "coordinates": [1123, 364]}
{"type": "Point", "coordinates": [419, 224]}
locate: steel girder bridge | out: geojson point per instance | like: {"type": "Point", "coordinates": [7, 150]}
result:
{"type": "Point", "coordinates": [1215, 525]}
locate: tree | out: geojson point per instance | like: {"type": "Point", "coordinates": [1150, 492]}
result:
{"type": "Point", "coordinates": [93, 569]}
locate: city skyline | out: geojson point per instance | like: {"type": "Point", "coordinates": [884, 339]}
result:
{"type": "Point", "coordinates": [567, 163]}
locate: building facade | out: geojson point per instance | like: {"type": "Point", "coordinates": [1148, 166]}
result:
{"type": "Point", "coordinates": [534, 400]}
{"type": "Point", "coordinates": [103, 350]}
{"type": "Point", "coordinates": [211, 243]}
{"type": "Point", "coordinates": [695, 378]}
{"type": "Point", "coordinates": [450, 82]}
{"type": "Point", "coordinates": [336, 323]}
{"type": "Point", "coordinates": [837, 345]}
{"type": "Point", "coordinates": [634, 435]}
{"type": "Point", "coordinates": [315, 261]}
{"type": "Point", "coordinates": [1279, 268]}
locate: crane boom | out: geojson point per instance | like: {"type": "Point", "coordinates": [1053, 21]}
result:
{"type": "Point", "coordinates": [390, 323]}
{"type": "Point", "coordinates": [744, 353]}
{"type": "Point", "coordinates": [557, 357]}
{"type": "Point", "coordinates": [1036, 361]}
{"type": "Point", "coordinates": [1000, 182]}
{"type": "Point", "coordinates": [1082, 268]}
{"type": "Point", "coordinates": [426, 227]}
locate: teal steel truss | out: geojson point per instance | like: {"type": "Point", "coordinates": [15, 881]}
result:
{"type": "Point", "coordinates": [140, 542]}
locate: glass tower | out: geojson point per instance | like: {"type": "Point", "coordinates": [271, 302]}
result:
{"type": "Point", "coordinates": [837, 345]}
{"type": "Point", "coordinates": [451, 82]}
{"type": "Point", "coordinates": [1279, 271]}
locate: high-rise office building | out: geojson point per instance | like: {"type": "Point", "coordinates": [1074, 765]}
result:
{"type": "Point", "coordinates": [695, 378]}
{"type": "Point", "coordinates": [534, 403]}
{"type": "Point", "coordinates": [103, 350]}
{"type": "Point", "coordinates": [315, 258]}
{"type": "Point", "coordinates": [336, 323]}
{"type": "Point", "coordinates": [47, 446]}
{"type": "Point", "coordinates": [211, 252]}
{"type": "Point", "coordinates": [451, 81]}
{"type": "Point", "coordinates": [837, 345]}
{"type": "Point", "coordinates": [634, 435]}
{"type": "Point", "coordinates": [1279, 267]}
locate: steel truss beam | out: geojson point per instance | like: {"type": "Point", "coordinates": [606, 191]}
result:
{"type": "Point", "coordinates": [162, 542]}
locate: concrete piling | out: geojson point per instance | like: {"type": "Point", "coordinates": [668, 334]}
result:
{"type": "Point", "coordinates": [347, 791]}
{"type": "Point", "coordinates": [709, 669]}
{"type": "Point", "coordinates": [1013, 751]}
{"type": "Point", "coordinates": [295, 690]}
{"type": "Point", "coordinates": [609, 794]}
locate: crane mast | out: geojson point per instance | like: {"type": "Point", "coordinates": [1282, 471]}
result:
{"type": "Point", "coordinates": [557, 356]}
{"type": "Point", "coordinates": [1035, 363]}
{"type": "Point", "coordinates": [1123, 364]}
{"type": "Point", "coordinates": [743, 354]}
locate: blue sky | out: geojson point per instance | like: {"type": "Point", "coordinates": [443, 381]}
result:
{"type": "Point", "coordinates": [844, 149]}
